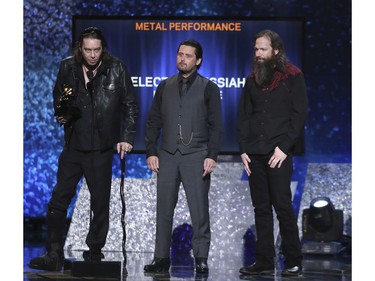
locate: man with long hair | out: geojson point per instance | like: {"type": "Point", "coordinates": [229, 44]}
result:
{"type": "Point", "coordinates": [271, 115]}
{"type": "Point", "coordinates": [94, 100]}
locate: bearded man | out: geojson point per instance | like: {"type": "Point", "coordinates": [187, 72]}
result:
{"type": "Point", "coordinates": [187, 109]}
{"type": "Point", "coordinates": [271, 115]}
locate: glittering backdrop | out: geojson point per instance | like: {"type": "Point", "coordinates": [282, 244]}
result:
{"type": "Point", "coordinates": [327, 69]}
{"type": "Point", "coordinates": [231, 214]}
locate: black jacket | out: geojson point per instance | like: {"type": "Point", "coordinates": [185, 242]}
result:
{"type": "Point", "coordinates": [115, 103]}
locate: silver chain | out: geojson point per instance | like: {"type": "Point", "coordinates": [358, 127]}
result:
{"type": "Point", "coordinates": [182, 139]}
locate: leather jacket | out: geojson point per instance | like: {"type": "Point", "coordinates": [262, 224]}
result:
{"type": "Point", "coordinates": [114, 100]}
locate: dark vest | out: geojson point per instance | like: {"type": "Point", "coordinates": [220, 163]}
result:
{"type": "Point", "coordinates": [184, 119]}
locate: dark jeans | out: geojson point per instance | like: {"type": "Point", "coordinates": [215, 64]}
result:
{"type": "Point", "coordinates": [270, 187]}
{"type": "Point", "coordinates": [96, 167]}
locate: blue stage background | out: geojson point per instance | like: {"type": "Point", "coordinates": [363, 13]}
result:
{"type": "Point", "coordinates": [326, 65]}
{"type": "Point", "coordinates": [151, 56]}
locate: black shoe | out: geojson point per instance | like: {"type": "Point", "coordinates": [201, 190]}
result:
{"type": "Point", "coordinates": [201, 265]}
{"type": "Point", "coordinates": [255, 269]}
{"type": "Point", "coordinates": [47, 262]}
{"type": "Point", "coordinates": [158, 265]}
{"type": "Point", "coordinates": [92, 256]}
{"type": "Point", "coordinates": [292, 271]}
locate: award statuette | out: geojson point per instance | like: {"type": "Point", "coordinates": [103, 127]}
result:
{"type": "Point", "coordinates": [66, 108]}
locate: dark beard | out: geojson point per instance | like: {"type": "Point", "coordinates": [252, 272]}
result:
{"type": "Point", "coordinates": [264, 71]}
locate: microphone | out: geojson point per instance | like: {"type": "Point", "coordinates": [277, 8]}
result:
{"type": "Point", "coordinates": [90, 74]}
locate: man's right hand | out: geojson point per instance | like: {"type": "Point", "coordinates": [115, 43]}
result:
{"type": "Point", "coordinates": [153, 163]}
{"type": "Point", "coordinates": [245, 161]}
{"type": "Point", "coordinates": [63, 119]}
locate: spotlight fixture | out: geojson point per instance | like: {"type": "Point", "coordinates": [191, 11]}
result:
{"type": "Point", "coordinates": [322, 227]}
{"type": "Point", "coordinates": [322, 222]}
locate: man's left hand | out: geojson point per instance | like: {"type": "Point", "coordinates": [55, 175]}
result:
{"type": "Point", "coordinates": [277, 158]}
{"type": "Point", "coordinates": [208, 166]}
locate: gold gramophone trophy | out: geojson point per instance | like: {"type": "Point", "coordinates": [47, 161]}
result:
{"type": "Point", "coordinates": [66, 107]}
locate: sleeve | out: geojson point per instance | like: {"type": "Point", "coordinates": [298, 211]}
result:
{"type": "Point", "coordinates": [244, 112]}
{"type": "Point", "coordinates": [65, 92]}
{"type": "Point", "coordinates": [215, 120]}
{"type": "Point", "coordinates": [298, 114]}
{"type": "Point", "coordinates": [154, 122]}
{"type": "Point", "coordinates": [130, 108]}
{"type": "Point", "coordinates": [58, 90]}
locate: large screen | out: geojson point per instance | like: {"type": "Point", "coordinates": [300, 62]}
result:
{"type": "Point", "coordinates": [148, 46]}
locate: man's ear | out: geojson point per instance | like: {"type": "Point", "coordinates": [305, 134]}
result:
{"type": "Point", "coordinates": [275, 52]}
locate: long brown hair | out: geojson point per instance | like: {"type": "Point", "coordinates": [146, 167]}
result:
{"type": "Point", "coordinates": [94, 33]}
{"type": "Point", "coordinates": [276, 44]}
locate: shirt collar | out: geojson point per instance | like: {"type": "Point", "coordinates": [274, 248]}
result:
{"type": "Point", "coordinates": [191, 78]}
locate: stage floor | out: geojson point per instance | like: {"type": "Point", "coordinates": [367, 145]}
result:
{"type": "Point", "coordinates": [223, 267]}
{"type": "Point", "coordinates": [232, 244]}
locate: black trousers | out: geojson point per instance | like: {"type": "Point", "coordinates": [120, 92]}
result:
{"type": "Point", "coordinates": [188, 169]}
{"type": "Point", "coordinates": [96, 167]}
{"type": "Point", "coordinates": [270, 187]}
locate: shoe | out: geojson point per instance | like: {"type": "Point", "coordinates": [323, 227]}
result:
{"type": "Point", "coordinates": [47, 262]}
{"type": "Point", "coordinates": [255, 269]}
{"type": "Point", "coordinates": [201, 265]}
{"type": "Point", "coordinates": [158, 265]}
{"type": "Point", "coordinates": [292, 271]}
{"type": "Point", "coordinates": [92, 256]}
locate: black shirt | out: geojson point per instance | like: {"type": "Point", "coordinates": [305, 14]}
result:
{"type": "Point", "coordinates": [274, 115]}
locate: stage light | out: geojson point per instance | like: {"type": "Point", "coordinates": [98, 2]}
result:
{"type": "Point", "coordinates": [322, 222]}
{"type": "Point", "coordinates": [321, 217]}
{"type": "Point", "coordinates": [322, 227]}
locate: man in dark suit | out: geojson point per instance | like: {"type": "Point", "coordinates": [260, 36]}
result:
{"type": "Point", "coordinates": [187, 108]}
